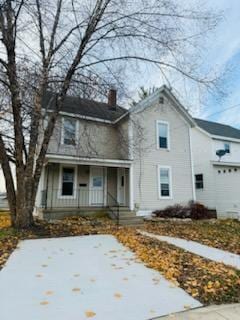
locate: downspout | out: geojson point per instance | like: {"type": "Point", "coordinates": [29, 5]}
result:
{"type": "Point", "coordinates": [192, 164]}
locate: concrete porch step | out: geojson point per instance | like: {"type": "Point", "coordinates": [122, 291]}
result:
{"type": "Point", "coordinates": [127, 217]}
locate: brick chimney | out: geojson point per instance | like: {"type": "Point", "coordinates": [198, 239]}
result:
{"type": "Point", "coordinates": [112, 99]}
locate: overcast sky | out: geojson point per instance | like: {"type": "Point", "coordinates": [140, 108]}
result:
{"type": "Point", "coordinates": [223, 48]}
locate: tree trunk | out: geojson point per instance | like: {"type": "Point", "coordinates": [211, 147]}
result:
{"type": "Point", "coordinates": [25, 206]}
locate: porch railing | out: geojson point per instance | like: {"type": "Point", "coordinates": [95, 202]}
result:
{"type": "Point", "coordinates": [80, 197]}
{"type": "Point", "coordinates": [113, 206]}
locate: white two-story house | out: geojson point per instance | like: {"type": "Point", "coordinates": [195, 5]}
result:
{"type": "Point", "coordinates": [101, 155]}
{"type": "Point", "coordinates": [217, 178]}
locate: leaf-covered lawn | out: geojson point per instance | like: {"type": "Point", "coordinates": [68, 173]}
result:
{"type": "Point", "coordinates": [4, 220]}
{"type": "Point", "coordinates": [72, 226]}
{"type": "Point", "coordinates": [209, 282]}
{"type": "Point", "coordinates": [221, 234]}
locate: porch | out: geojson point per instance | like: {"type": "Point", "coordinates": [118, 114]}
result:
{"type": "Point", "coordinates": [83, 187]}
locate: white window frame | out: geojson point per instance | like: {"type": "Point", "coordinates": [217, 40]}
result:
{"type": "Point", "coordinates": [168, 134]}
{"type": "Point", "coordinates": [170, 182]}
{"type": "Point", "coordinates": [61, 167]}
{"type": "Point", "coordinates": [62, 132]}
{"type": "Point", "coordinates": [224, 143]}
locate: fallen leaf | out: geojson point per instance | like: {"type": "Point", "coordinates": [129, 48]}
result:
{"type": "Point", "coordinates": [76, 289]}
{"type": "Point", "coordinates": [49, 293]}
{"type": "Point", "coordinates": [44, 303]}
{"type": "Point", "coordinates": [90, 314]}
{"type": "Point", "coordinates": [118, 295]}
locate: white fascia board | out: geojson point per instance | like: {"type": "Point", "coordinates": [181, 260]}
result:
{"type": "Point", "coordinates": [79, 116]}
{"type": "Point", "coordinates": [229, 164]}
{"type": "Point", "coordinates": [215, 137]}
{"type": "Point", "coordinates": [120, 118]}
{"type": "Point", "coordinates": [84, 117]}
{"type": "Point", "coordinates": [77, 160]}
{"type": "Point", "coordinates": [225, 138]}
{"type": "Point", "coordinates": [204, 132]}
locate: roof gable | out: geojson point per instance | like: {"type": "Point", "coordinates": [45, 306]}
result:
{"type": "Point", "coordinates": [154, 97]}
{"type": "Point", "coordinates": [218, 129]}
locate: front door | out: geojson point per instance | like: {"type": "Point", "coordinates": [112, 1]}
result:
{"type": "Point", "coordinates": [96, 186]}
{"type": "Point", "coordinates": [121, 186]}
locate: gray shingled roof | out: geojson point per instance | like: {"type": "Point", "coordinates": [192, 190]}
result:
{"type": "Point", "coordinates": [85, 107]}
{"type": "Point", "coordinates": [218, 129]}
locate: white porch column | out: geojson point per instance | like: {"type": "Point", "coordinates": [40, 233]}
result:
{"type": "Point", "coordinates": [40, 189]}
{"type": "Point", "coordinates": [131, 188]}
{"type": "Point", "coordinates": [105, 186]}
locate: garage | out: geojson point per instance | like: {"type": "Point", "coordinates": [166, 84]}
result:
{"type": "Point", "coordinates": [227, 182]}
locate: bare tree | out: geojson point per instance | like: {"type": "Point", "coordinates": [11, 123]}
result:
{"type": "Point", "coordinates": [55, 45]}
{"type": "Point", "coordinates": [142, 94]}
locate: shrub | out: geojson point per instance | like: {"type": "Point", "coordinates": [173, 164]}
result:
{"type": "Point", "coordinates": [193, 210]}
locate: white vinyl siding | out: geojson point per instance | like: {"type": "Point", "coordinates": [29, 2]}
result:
{"type": "Point", "coordinates": [146, 161]}
{"type": "Point", "coordinates": [93, 140]}
{"type": "Point", "coordinates": [202, 147]}
{"type": "Point", "coordinates": [164, 182]}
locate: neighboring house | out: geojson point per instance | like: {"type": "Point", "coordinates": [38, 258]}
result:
{"type": "Point", "coordinates": [101, 154]}
{"type": "Point", "coordinates": [217, 179]}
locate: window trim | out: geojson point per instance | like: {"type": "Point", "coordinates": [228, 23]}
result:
{"type": "Point", "coordinates": [62, 132]}
{"type": "Point", "coordinates": [60, 180]}
{"type": "Point", "coordinates": [168, 134]}
{"type": "Point", "coordinates": [224, 143]}
{"type": "Point", "coordinates": [159, 167]}
{"type": "Point", "coordinates": [199, 174]}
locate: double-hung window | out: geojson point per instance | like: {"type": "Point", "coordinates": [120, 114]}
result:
{"type": "Point", "coordinates": [199, 181]}
{"type": "Point", "coordinates": [162, 135]}
{"type": "Point", "coordinates": [69, 131]}
{"type": "Point", "coordinates": [68, 179]}
{"type": "Point", "coordinates": [165, 182]}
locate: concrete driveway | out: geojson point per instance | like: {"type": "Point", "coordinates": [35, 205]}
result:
{"type": "Point", "coordinates": [84, 277]}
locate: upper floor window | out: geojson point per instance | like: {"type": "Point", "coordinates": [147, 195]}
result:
{"type": "Point", "coordinates": [227, 147]}
{"type": "Point", "coordinates": [69, 131]}
{"type": "Point", "coordinates": [199, 181]}
{"type": "Point", "coordinates": [165, 182]}
{"type": "Point", "coordinates": [163, 135]}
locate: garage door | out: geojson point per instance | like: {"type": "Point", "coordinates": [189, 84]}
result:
{"type": "Point", "coordinates": [227, 191]}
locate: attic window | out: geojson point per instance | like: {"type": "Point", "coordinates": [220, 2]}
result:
{"type": "Point", "coordinates": [161, 100]}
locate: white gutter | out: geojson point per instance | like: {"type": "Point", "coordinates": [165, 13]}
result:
{"type": "Point", "coordinates": [55, 158]}
{"type": "Point", "coordinates": [79, 116]}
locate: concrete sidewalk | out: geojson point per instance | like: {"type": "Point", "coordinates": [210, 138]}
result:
{"type": "Point", "coordinates": [222, 312]}
{"type": "Point", "coordinates": [202, 250]}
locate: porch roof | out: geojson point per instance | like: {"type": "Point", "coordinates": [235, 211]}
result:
{"type": "Point", "coordinates": [55, 158]}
